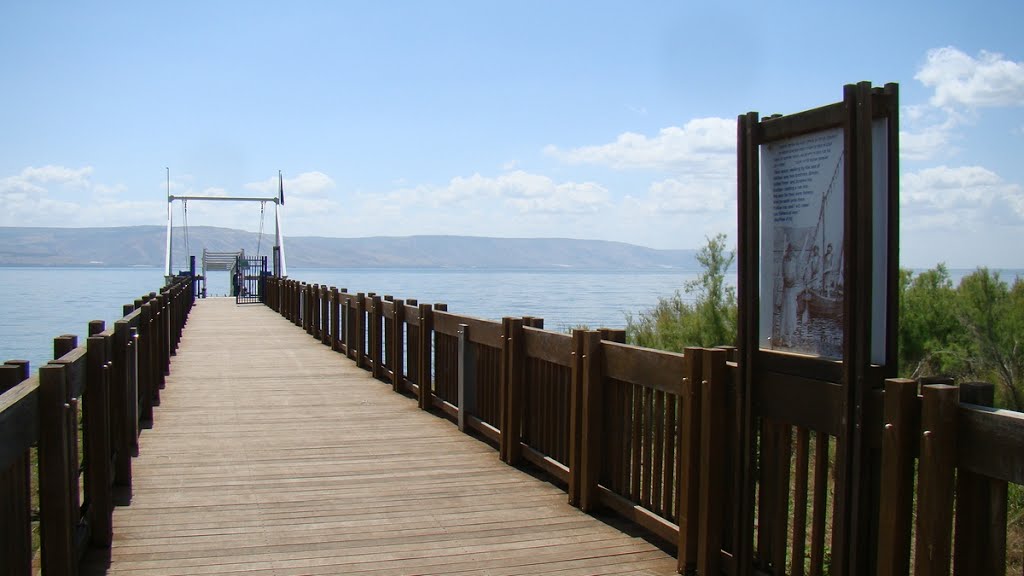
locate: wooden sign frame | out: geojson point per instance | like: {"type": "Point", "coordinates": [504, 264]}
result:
{"type": "Point", "coordinates": [834, 394]}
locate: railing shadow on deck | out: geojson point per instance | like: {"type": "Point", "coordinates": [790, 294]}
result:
{"type": "Point", "coordinates": [655, 436]}
{"type": "Point", "coordinates": [68, 433]}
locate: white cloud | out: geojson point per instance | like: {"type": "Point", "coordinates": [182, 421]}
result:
{"type": "Point", "coordinates": [702, 144]}
{"type": "Point", "coordinates": [929, 132]}
{"type": "Point", "coordinates": [28, 201]}
{"type": "Point", "coordinates": [959, 196]}
{"type": "Point", "coordinates": [675, 212]}
{"type": "Point", "coordinates": [689, 195]}
{"type": "Point", "coordinates": [522, 191]}
{"type": "Point", "coordinates": [62, 196]}
{"type": "Point", "coordinates": [57, 175]}
{"type": "Point", "coordinates": [958, 79]}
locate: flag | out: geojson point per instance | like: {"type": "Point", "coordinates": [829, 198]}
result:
{"type": "Point", "coordinates": [280, 187]}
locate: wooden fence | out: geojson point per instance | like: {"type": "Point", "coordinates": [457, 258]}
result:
{"type": "Point", "coordinates": [656, 436]}
{"type": "Point", "coordinates": [641, 432]}
{"type": "Point", "coordinates": [109, 385]}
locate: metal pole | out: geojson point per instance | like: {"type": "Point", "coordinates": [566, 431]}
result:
{"type": "Point", "coordinates": [278, 234]}
{"type": "Point", "coordinates": [167, 254]}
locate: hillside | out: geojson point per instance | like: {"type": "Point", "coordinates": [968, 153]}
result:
{"type": "Point", "coordinates": [144, 246]}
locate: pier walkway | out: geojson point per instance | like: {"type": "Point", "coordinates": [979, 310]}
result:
{"type": "Point", "coordinates": [269, 455]}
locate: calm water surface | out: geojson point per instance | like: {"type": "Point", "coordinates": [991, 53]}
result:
{"type": "Point", "coordinates": [37, 304]}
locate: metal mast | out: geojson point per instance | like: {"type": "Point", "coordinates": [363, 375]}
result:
{"type": "Point", "coordinates": [168, 274]}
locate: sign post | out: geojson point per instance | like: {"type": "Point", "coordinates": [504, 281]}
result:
{"type": "Point", "coordinates": [818, 265]}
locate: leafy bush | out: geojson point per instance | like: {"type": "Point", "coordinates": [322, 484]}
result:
{"type": "Point", "coordinates": [710, 320]}
{"type": "Point", "coordinates": [972, 332]}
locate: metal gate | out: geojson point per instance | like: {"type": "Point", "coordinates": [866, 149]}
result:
{"type": "Point", "coordinates": [249, 279]}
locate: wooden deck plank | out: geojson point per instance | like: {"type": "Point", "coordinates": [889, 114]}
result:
{"type": "Point", "coordinates": [270, 454]}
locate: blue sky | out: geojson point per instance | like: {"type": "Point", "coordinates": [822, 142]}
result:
{"type": "Point", "coordinates": [598, 120]}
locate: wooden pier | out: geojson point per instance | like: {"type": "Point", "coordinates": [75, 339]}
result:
{"type": "Point", "coordinates": [325, 432]}
{"type": "Point", "coordinates": [270, 455]}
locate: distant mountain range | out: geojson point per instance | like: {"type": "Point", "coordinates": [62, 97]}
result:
{"type": "Point", "coordinates": [145, 245]}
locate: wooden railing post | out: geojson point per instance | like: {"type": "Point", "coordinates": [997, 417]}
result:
{"type": "Point", "coordinates": [980, 546]}
{"type": "Point", "coordinates": [62, 345]}
{"type": "Point", "coordinates": [899, 435]}
{"type": "Point", "coordinates": [164, 339]}
{"type": "Point", "coordinates": [348, 317]}
{"type": "Point", "coordinates": [15, 498]}
{"type": "Point", "coordinates": [160, 336]}
{"type": "Point", "coordinates": [387, 337]}
{"type": "Point", "coordinates": [425, 356]}
{"type": "Point", "coordinates": [359, 334]}
{"type": "Point", "coordinates": [713, 454]}
{"type": "Point", "coordinates": [143, 353]}
{"type": "Point", "coordinates": [336, 323]}
{"type": "Point", "coordinates": [55, 505]}
{"type": "Point", "coordinates": [302, 306]}
{"type": "Point", "coordinates": [312, 308]}
{"type": "Point", "coordinates": [939, 410]}
{"type": "Point", "coordinates": [398, 345]}
{"type": "Point", "coordinates": [466, 376]}
{"type": "Point", "coordinates": [688, 471]}
{"type": "Point", "coordinates": [511, 390]}
{"type": "Point", "coordinates": [590, 421]}
{"type": "Point", "coordinates": [376, 338]}
{"type": "Point", "coordinates": [575, 417]}
{"type": "Point", "coordinates": [307, 308]}
{"type": "Point", "coordinates": [286, 299]}
{"type": "Point", "coordinates": [326, 333]}
{"type": "Point", "coordinates": [321, 312]}
{"type": "Point", "coordinates": [97, 442]}
{"type": "Point", "coordinates": [122, 399]}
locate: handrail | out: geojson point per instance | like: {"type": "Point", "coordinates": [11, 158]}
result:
{"type": "Point", "coordinates": [99, 380]}
{"type": "Point", "coordinates": [654, 436]}
{"type": "Point", "coordinates": [538, 396]}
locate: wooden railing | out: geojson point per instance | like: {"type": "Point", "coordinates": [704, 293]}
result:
{"type": "Point", "coordinates": [965, 453]}
{"type": "Point", "coordinates": [641, 432]}
{"type": "Point", "coordinates": [654, 436]}
{"type": "Point", "coordinates": [109, 385]}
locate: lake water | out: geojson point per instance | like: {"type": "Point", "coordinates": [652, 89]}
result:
{"type": "Point", "coordinates": [37, 304]}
